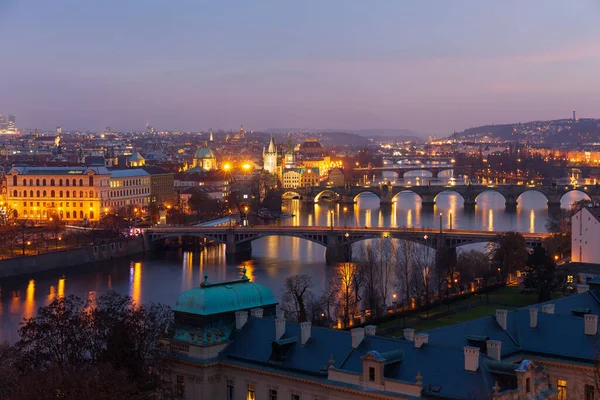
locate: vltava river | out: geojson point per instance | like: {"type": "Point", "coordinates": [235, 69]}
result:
{"type": "Point", "coordinates": [161, 278]}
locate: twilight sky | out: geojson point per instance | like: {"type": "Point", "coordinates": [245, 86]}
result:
{"type": "Point", "coordinates": [430, 66]}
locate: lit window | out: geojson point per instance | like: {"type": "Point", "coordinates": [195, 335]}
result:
{"type": "Point", "coordinates": [569, 278]}
{"type": "Point", "coordinates": [562, 389]}
{"type": "Point", "coordinates": [251, 393]}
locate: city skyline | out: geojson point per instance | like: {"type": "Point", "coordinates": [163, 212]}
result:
{"type": "Point", "coordinates": [430, 67]}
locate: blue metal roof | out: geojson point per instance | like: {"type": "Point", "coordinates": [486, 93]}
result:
{"type": "Point", "coordinates": [224, 297]}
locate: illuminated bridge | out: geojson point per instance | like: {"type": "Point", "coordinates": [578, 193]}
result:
{"type": "Point", "coordinates": [428, 194]}
{"type": "Point", "coordinates": [337, 240]}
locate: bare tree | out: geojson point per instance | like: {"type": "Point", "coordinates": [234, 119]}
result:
{"type": "Point", "coordinates": [346, 275]}
{"type": "Point", "coordinates": [404, 273]}
{"type": "Point", "coordinates": [388, 252]}
{"type": "Point", "coordinates": [297, 295]}
{"type": "Point", "coordinates": [366, 265]}
{"type": "Point", "coordinates": [422, 271]}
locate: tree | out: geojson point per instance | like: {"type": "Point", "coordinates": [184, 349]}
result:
{"type": "Point", "coordinates": [96, 350]}
{"type": "Point", "coordinates": [404, 269]}
{"type": "Point", "coordinates": [345, 286]}
{"type": "Point", "coordinates": [203, 205]}
{"type": "Point", "coordinates": [112, 224]}
{"type": "Point", "coordinates": [540, 274]}
{"type": "Point", "coordinates": [472, 264]}
{"type": "Point", "coordinates": [297, 295]}
{"type": "Point", "coordinates": [508, 253]}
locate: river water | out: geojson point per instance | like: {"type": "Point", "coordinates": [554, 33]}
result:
{"type": "Point", "coordinates": [161, 278]}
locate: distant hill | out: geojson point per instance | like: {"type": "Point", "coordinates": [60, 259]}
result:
{"type": "Point", "coordinates": [557, 131]}
{"type": "Point", "coordinates": [400, 134]}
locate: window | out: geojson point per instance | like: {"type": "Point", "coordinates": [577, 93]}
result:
{"type": "Point", "coordinates": [80, 182]}
{"type": "Point", "coordinates": [51, 182]}
{"type": "Point", "coordinates": [295, 396]}
{"type": "Point", "coordinates": [37, 182]}
{"type": "Point", "coordinates": [44, 182]}
{"type": "Point", "coordinates": [589, 392]}
{"type": "Point", "coordinates": [273, 394]}
{"type": "Point", "coordinates": [251, 393]}
{"type": "Point", "coordinates": [37, 193]}
{"type": "Point", "coordinates": [91, 181]}
{"type": "Point", "coordinates": [371, 374]}
{"type": "Point", "coordinates": [229, 390]}
{"type": "Point", "coordinates": [15, 193]}
{"type": "Point", "coordinates": [15, 181]}
{"type": "Point", "coordinates": [52, 193]}
{"type": "Point", "coordinates": [527, 385]}
{"type": "Point", "coordinates": [180, 386]}
{"type": "Point", "coordinates": [562, 389]}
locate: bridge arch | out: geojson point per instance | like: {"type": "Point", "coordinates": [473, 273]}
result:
{"type": "Point", "coordinates": [446, 173]}
{"type": "Point", "coordinates": [327, 194]}
{"type": "Point", "coordinates": [578, 190]}
{"type": "Point", "coordinates": [368, 193]}
{"type": "Point", "coordinates": [446, 191]}
{"type": "Point", "coordinates": [419, 173]}
{"type": "Point", "coordinates": [291, 195]}
{"type": "Point", "coordinates": [493, 190]}
{"type": "Point", "coordinates": [406, 191]}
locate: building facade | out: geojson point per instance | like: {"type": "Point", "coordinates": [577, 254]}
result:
{"type": "Point", "coordinates": [585, 231]}
{"type": "Point", "coordinates": [309, 177]}
{"type": "Point", "coordinates": [231, 342]}
{"type": "Point", "coordinates": [128, 187]}
{"type": "Point", "coordinates": [291, 179]}
{"type": "Point", "coordinates": [270, 157]}
{"type": "Point", "coordinates": [70, 193]}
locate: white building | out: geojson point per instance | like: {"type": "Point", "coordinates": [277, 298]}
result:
{"type": "Point", "coordinates": [291, 179]}
{"type": "Point", "coordinates": [585, 236]}
{"type": "Point", "coordinates": [129, 187]}
{"type": "Point", "coordinates": [270, 157]}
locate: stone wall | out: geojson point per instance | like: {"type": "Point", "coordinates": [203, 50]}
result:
{"type": "Point", "coordinates": [68, 258]}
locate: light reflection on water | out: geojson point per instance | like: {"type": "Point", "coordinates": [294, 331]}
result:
{"type": "Point", "coordinates": [164, 276]}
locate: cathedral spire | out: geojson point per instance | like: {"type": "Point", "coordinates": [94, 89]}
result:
{"type": "Point", "coordinates": [272, 147]}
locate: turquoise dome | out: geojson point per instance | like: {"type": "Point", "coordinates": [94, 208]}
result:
{"type": "Point", "coordinates": [204, 152]}
{"type": "Point", "coordinates": [224, 297]}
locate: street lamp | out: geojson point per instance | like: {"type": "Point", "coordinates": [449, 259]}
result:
{"type": "Point", "coordinates": [450, 219]}
{"type": "Point", "coordinates": [441, 215]}
{"type": "Point", "coordinates": [345, 210]}
{"type": "Point", "coordinates": [331, 213]}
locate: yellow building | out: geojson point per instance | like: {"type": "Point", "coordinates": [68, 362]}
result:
{"type": "Point", "coordinates": [70, 193]}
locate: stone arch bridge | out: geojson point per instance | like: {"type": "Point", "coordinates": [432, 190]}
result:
{"type": "Point", "coordinates": [428, 194]}
{"type": "Point", "coordinates": [337, 241]}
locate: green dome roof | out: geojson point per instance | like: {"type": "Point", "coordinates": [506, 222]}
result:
{"type": "Point", "coordinates": [204, 152]}
{"type": "Point", "coordinates": [223, 297]}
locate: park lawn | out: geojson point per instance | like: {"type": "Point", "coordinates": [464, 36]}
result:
{"type": "Point", "coordinates": [507, 297]}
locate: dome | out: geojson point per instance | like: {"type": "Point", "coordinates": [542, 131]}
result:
{"type": "Point", "coordinates": [224, 297]}
{"type": "Point", "coordinates": [204, 152]}
{"type": "Point", "coordinates": [311, 145]}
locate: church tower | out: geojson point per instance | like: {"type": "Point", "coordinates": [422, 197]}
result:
{"type": "Point", "coordinates": [210, 136]}
{"type": "Point", "coordinates": [290, 156]}
{"type": "Point", "coordinates": [270, 157]}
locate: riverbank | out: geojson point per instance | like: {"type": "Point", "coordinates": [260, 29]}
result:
{"type": "Point", "coordinates": [25, 265]}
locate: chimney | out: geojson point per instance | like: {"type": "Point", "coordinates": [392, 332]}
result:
{"type": "Point", "coordinates": [421, 339]}
{"type": "Point", "coordinates": [358, 335]}
{"type": "Point", "coordinates": [371, 330]}
{"type": "Point", "coordinates": [279, 328]}
{"type": "Point", "coordinates": [471, 358]}
{"type": "Point", "coordinates": [582, 288]}
{"type": "Point", "coordinates": [409, 334]}
{"type": "Point", "coordinates": [591, 324]}
{"type": "Point", "coordinates": [240, 319]}
{"type": "Point", "coordinates": [548, 308]}
{"type": "Point", "coordinates": [256, 312]}
{"type": "Point", "coordinates": [494, 348]}
{"type": "Point", "coordinates": [502, 318]}
{"type": "Point", "coordinates": [305, 331]}
{"type": "Point", "coordinates": [533, 312]}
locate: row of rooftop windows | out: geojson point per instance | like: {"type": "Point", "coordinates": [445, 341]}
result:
{"type": "Point", "coordinates": [44, 193]}
{"type": "Point", "coordinates": [52, 204]}
{"type": "Point", "coordinates": [67, 214]}
{"type": "Point", "coordinates": [43, 182]}
{"type": "Point", "coordinates": [130, 192]}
